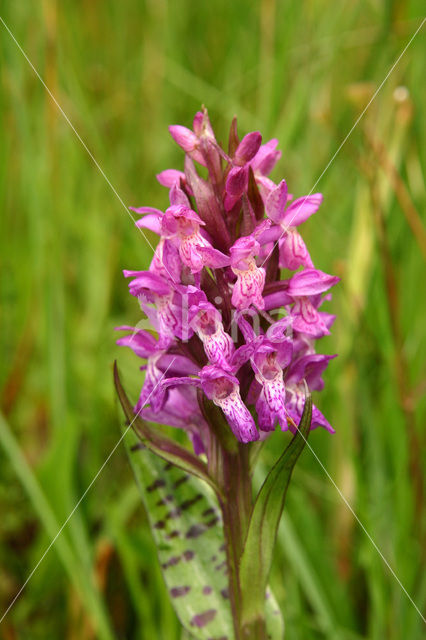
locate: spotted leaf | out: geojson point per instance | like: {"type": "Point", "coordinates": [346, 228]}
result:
{"type": "Point", "coordinates": [187, 527]}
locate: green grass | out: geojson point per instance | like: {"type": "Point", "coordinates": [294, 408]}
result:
{"type": "Point", "coordinates": [301, 72]}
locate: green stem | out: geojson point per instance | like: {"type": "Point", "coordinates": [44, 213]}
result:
{"type": "Point", "coordinates": [236, 510]}
{"type": "Point", "coordinates": [229, 467]}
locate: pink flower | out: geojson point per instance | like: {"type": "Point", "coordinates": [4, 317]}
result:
{"type": "Point", "coordinates": [293, 251]}
{"type": "Point", "coordinates": [211, 286]}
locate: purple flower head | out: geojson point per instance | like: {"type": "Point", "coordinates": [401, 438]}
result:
{"type": "Point", "coordinates": [226, 325]}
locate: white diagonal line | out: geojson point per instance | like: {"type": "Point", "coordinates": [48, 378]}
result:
{"type": "Point", "coordinates": [361, 115]}
{"type": "Point", "coordinates": [80, 139]}
{"type": "Point", "coordinates": [52, 542]}
{"type": "Point", "coordinates": [143, 234]}
{"type": "Point", "coordinates": [363, 528]}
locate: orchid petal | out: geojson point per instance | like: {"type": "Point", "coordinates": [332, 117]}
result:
{"type": "Point", "coordinates": [301, 209]}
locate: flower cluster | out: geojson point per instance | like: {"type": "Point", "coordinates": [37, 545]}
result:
{"type": "Point", "coordinates": [226, 319]}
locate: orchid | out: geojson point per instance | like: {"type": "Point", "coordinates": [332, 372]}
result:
{"type": "Point", "coordinates": [231, 352]}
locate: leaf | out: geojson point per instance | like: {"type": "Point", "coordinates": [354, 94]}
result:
{"type": "Point", "coordinates": [258, 550]}
{"type": "Point", "coordinates": [68, 555]}
{"type": "Point", "coordinates": [187, 528]}
{"type": "Point", "coordinates": [274, 618]}
{"type": "Point", "coordinates": [159, 443]}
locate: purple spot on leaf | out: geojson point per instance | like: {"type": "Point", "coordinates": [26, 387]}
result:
{"type": "Point", "coordinates": [177, 592]}
{"type": "Point", "coordinates": [195, 531]}
{"type": "Point", "coordinates": [204, 618]}
{"type": "Point", "coordinates": [156, 485]}
{"type": "Point", "coordinates": [180, 481]}
{"type": "Point", "coordinates": [137, 447]}
{"type": "Point", "coordinates": [174, 513]}
{"type": "Point", "coordinates": [174, 560]}
{"type": "Point", "coordinates": [173, 534]}
{"type": "Point", "coordinates": [186, 504]}
{"type": "Point", "coordinates": [212, 522]}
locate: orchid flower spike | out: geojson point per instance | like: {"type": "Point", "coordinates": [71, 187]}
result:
{"type": "Point", "coordinates": [227, 327]}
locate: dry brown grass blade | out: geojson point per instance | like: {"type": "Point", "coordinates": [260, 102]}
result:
{"type": "Point", "coordinates": [401, 192]}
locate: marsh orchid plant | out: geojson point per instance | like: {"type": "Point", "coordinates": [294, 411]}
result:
{"type": "Point", "coordinates": [234, 304]}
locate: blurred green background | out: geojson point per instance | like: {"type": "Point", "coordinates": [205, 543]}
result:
{"type": "Point", "coordinates": [122, 71]}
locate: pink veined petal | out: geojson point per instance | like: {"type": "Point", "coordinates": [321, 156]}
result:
{"type": "Point", "coordinates": [270, 404]}
{"type": "Point", "coordinates": [178, 197]}
{"type": "Point", "coordinates": [248, 148]}
{"type": "Point", "coordinates": [219, 348]}
{"type": "Point", "coordinates": [294, 405]}
{"type": "Point", "coordinates": [310, 282]}
{"type": "Point", "coordinates": [223, 388]}
{"type": "Point", "coordinates": [214, 258]}
{"type": "Point", "coordinates": [306, 319]}
{"type": "Point", "coordinates": [239, 417]}
{"type": "Point", "coordinates": [169, 177]}
{"type": "Point", "coordinates": [152, 392]}
{"type": "Point", "coordinates": [147, 210]}
{"type": "Point", "coordinates": [301, 209]}
{"type": "Point", "coordinates": [293, 251]}
{"type": "Point", "coordinates": [318, 420]}
{"type": "Point", "coordinates": [266, 186]}
{"type": "Point", "coordinates": [277, 300]}
{"type": "Point", "coordinates": [327, 318]}
{"type": "Point", "coordinates": [141, 346]}
{"type": "Point", "coordinates": [261, 228]}
{"type": "Point", "coordinates": [248, 288]}
{"type": "Point", "coordinates": [184, 137]}
{"type": "Point", "coordinates": [176, 382]}
{"type": "Point", "coordinates": [151, 221]}
{"type": "Point", "coordinates": [244, 353]}
{"type": "Point", "coordinates": [197, 123]}
{"type": "Point", "coordinates": [182, 211]}
{"type": "Point", "coordinates": [188, 141]}
{"type": "Point", "coordinates": [280, 330]}
{"type": "Point", "coordinates": [272, 234]}
{"type": "Point", "coordinates": [166, 261]}
{"type": "Point", "coordinates": [237, 181]}
{"type": "Point", "coordinates": [266, 158]}
{"type": "Point", "coordinates": [276, 202]}
{"type": "Point", "coordinates": [311, 368]}
{"type": "Point", "coordinates": [175, 365]}
{"type": "Point", "coordinates": [148, 280]}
